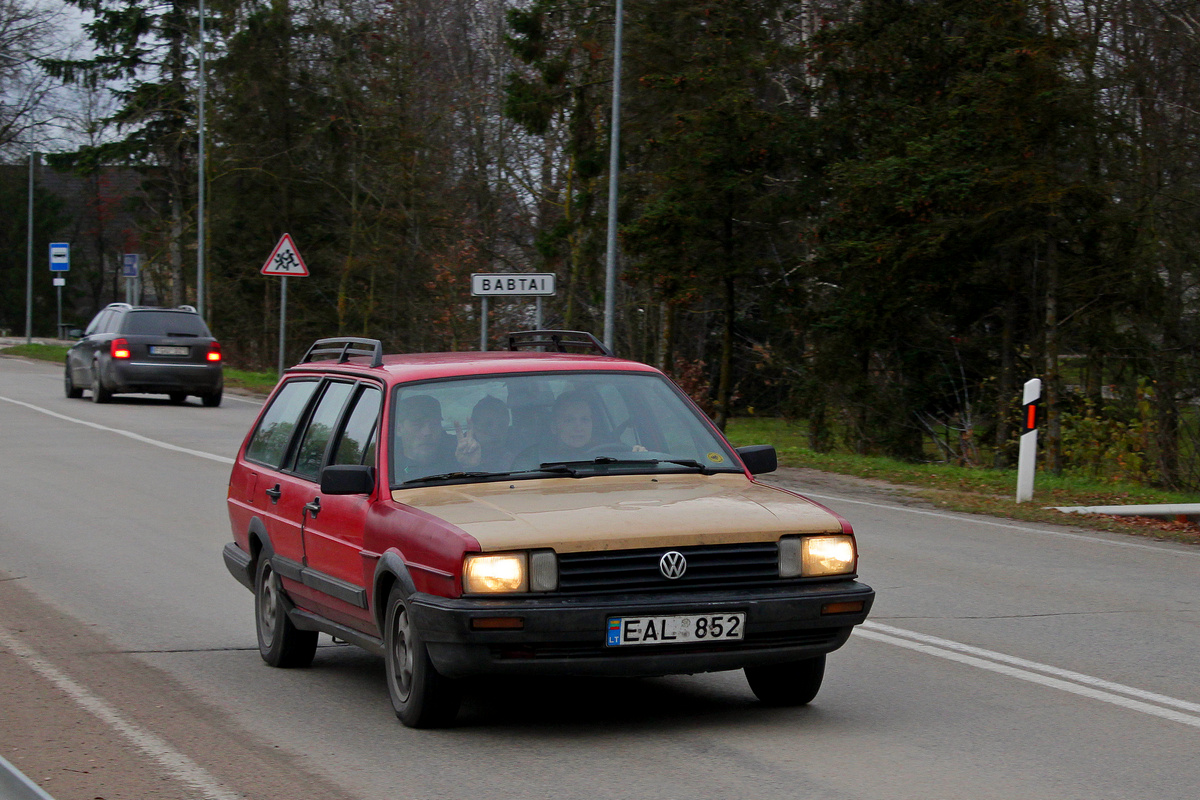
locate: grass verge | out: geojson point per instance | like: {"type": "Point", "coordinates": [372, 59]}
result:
{"type": "Point", "coordinates": [978, 490]}
{"type": "Point", "coordinates": [42, 352]}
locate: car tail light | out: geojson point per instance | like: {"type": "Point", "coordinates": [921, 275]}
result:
{"type": "Point", "coordinates": [214, 352]}
{"type": "Point", "coordinates": [119, 348]}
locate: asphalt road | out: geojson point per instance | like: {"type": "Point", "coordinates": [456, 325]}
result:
{"type": "Point", "coordinates": [1003, 660]}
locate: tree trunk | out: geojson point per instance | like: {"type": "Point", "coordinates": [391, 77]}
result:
{"type": "Point", "coordinates": [725, 383]}
{"type": "Point", "coordinates": [1051, 384]}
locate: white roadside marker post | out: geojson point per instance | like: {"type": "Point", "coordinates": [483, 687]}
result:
{"type": "Point", "coordinates": [1027, 460]}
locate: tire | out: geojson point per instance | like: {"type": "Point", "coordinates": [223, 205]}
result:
{"type": "Point", "coordinates": [99, 393]}
{"type": "Point", "coordinates": [177, 397]}
{"type": "Point", "coordinates": [280, 643]}
{"type": "Point", "coordinates": [421, 696]}
{"type": "Point", "coordinates": [211, 400]}
{"type": "Point", "coordinates": [792, 684]}
{"type": "Point", "coordinates": [72, 391]}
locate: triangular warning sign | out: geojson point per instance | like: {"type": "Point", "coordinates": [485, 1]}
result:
{"type": "Point", "coordinates": [285, 260]}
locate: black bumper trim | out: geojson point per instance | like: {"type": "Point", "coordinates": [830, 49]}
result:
{"type": "Point", "coordinates": [237, 561]}
{"type": "Point", "coordinates": [566, 635]}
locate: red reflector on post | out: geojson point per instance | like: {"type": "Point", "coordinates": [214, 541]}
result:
{"type": "Point", "coordinates": [119, 348]}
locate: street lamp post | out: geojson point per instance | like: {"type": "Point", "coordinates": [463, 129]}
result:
{"type": "Point", "coordinates": [29, 255]}
{"type": "Point", "coordinates": [200, 232]}
{"type": "Point", "coordinates": [614, 147]}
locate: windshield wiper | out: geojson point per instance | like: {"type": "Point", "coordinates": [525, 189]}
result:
{"type": "Point", "coordinates": [448, 476]}
{"type": "Point", "coordinates": [610, 460]}
{"type": "Point", "coordinates": [556, 468]}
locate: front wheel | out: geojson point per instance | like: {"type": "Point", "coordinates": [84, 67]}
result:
{"type": "Point", "coordinates": [792, 684]}
{"type": "Point", "coordinates": [73, 392]}
{"type": "Point", "coordinates": [280, 643]}
{"type": "Point", "coordinates": [421, 696]}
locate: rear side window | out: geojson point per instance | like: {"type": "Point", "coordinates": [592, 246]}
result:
{"type": "Point", "coordinates": [311, 454]}
{"type": "Point", "coordinates": [269, 444]}
{"type": "Point", "coordinates": [164, 323]}
{"type": "Point", "coordinates": [357, 442]}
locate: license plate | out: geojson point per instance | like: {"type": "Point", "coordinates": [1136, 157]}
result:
{"type": "Point", "coordinates": [683, 629]}
{"type": "Point", "coordinates": [167, 350]}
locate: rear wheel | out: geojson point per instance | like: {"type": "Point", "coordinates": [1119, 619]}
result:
{"type": "Point", "coordinates": [211, 400]}
{"type": "Point", "coordinates": [793, 684]}
{"type": "Point", "coordinates": [421, 696]}
{"type": "Point", "coordinates": [177, 397]}
{"type": "Point", "coordinates": [99, 393]}
{"type": "Point", "coordinates": [280, 643]}
{"type": "Point", "coordinates": [72, 391]}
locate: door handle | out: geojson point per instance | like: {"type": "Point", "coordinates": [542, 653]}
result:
{"type": "Point", "coordinates": [314, 507]}
{"type": "Point", "coordinates": [274, 492]}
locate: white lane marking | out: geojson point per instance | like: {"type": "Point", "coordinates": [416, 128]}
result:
{"type": "Point", "coordinates": [234, 397]}
{"type": "Point", "coordinates": [1067, 681]}
{"type": "Point", "coordinates": [137, 437]}
{"type": "Point", "coordinates": [174, 762]}
{"type": "Point", "coordinates": [1022, 528]}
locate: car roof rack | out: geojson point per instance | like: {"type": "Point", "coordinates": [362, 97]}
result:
{"type": "Point", "coordinates": [558, 341]}
{"type": "Point", "coordinates": [342, 348]}
{"type": "Point", "coordinates": [188, 308]}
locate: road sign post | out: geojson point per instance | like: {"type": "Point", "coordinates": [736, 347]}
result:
{"type": "Point", "coordinates": [129, 269]}
{"type": "Point", "coordinates": [509, 284]}
{"type": "Point", "coordinates": [60, 261]}
{"type": "Point", "coordinates": [1027, 457]}
{"type": "Point", "coordinates": [285, 262]}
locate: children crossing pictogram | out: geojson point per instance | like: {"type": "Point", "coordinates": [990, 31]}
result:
{"type": "Point", "coordinates": [285, 260]}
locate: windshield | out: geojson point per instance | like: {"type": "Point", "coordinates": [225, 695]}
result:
{"type": "Point", "coordinates": [537, 425]}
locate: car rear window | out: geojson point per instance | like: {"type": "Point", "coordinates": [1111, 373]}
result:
{"type": "Point", "coordinates": [164, 323]}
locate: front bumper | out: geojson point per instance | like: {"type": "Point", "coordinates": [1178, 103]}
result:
{"type": "Point", "coordinates": [566, 635]}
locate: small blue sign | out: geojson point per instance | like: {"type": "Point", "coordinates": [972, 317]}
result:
{"type": "Point", "coordinates": [60, 257]}
{"type": "Point", "coordinates": [129, 265]}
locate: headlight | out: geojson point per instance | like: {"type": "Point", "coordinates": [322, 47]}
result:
{"type": "Point", "coordinates": [817, 556]}
{"type": "Point", "coordinates": [492, 573]}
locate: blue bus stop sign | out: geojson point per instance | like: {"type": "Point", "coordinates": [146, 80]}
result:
{"type": "Point", "coordinates": [129, 265]}
{"type": "Point", "coordinates": [60, 257]}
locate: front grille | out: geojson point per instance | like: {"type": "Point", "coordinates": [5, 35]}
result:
{"type": "Point", "coordinates": [708, 567]}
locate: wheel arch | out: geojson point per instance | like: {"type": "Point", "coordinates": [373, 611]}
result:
{"type": "Point", "coordinates": [391, 571]}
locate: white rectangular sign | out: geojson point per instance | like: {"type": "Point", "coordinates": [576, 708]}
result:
{"type": "Point", "coordinates": [512, 284]}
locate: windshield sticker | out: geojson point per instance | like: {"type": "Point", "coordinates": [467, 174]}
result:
{"type": "Point", "coordinates": [716, 458]}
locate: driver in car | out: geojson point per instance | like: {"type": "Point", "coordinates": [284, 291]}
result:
{"type": "Point", "coordinates": [422, 447]}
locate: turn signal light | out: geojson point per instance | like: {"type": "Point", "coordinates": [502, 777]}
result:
{"type": "Point", "coordinates": [498, 623]}
{"type": "Point", "coordinates": [844, 607]}
{"type": "Point", "coordinates": [214, 351]}
{"type": "Point", "coordinates": [119, 348]}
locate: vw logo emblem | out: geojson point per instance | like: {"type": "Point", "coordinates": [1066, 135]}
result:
{"type": "Point", "coordinates": [672, 565]}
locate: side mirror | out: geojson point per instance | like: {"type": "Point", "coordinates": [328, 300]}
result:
{"type": "Point", "coordinates": [759, 458]}
{"type": "Point", "coordinates": [347, 479]}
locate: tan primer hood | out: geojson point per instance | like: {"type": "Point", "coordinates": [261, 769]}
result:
{"type": "Point", "coordinates": [620, 512]}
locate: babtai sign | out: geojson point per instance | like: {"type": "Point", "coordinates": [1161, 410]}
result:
{"type": "Point", "coordinates": [512, 284]}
